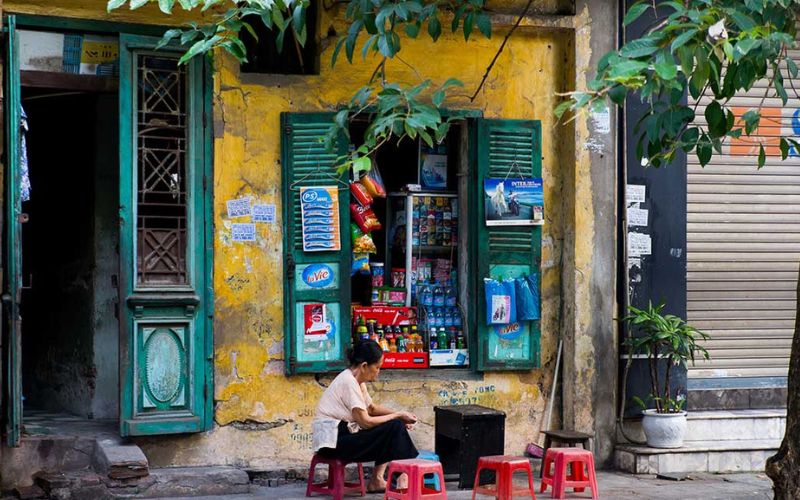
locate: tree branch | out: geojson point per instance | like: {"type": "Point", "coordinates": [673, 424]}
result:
{"type": "Point", "coordinates": [500, 50]}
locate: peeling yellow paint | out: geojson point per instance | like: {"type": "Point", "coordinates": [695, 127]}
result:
{"type": "Point", "coordinates": [248, 327]}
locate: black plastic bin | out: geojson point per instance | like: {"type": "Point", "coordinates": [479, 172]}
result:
{"type": "Point", "coordinates": [463, 434]}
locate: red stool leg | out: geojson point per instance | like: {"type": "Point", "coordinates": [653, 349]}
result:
{"type": "Point", "coordinates": [530, 482]}
{"type": "Point", "coordinates": [477, 480]}
{"type": "Point", "coordinates": [547, 478]}
{"type": "Point", "coordinates": [578, 474]}
{"type": "Point", "coordinates": [311, 475]}
{"type": "Point", "coordinates": [336, 469]}
{"type": "Point", "coordinates": [559, 477]}
{"type": "Point", "coordinates": [361, 482]}
{"type": "Point", "coordinates": [593, 477]}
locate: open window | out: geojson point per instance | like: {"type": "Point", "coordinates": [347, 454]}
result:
{"type": "Point", "coordinates": [401, 259]}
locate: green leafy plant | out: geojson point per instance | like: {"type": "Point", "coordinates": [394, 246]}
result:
{"type": "Point", "coordinates": [663, 337]}
{"type": "Point", "coordinates": [715, 48]}
{"type": "Point", "coordinates": [393, 110]}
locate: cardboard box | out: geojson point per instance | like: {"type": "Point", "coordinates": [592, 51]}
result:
{"type": "Point", "coordinates": [405, 360]}
{"type": "Point", "coordinates": [449, 357]}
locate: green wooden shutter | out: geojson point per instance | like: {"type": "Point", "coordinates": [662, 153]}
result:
{"type": "Point", "coordinates": [306, 162]}
{"type": "Point", "coordinates": [506, 149]}
{"type": "Point", "coordinates": [12, 261]}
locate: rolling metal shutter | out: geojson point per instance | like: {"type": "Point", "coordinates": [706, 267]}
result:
{"type": "Point", "coordinates": [743, 245]}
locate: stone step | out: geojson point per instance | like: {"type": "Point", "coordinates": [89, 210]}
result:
{"type": "Point", "coordinates": [37, 453]}
{"type": "Point", "coordinates": [735, 425]}
{"type": "Point", "coordinates": [119, 460]}
{"type": "Point", "coordinates": [697, 456]}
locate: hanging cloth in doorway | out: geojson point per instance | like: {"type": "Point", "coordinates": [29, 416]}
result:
{"type": "Point", "coordinates": [24, 177]}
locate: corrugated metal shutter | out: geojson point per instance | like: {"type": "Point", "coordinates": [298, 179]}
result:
{"type": "Point", "coordinates": [743, 237]}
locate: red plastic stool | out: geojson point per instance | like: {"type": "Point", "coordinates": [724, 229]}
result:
{"type": "Point", "coordinates": [504, 467]}
{"type": "Point", "coordinates": [415, 469]}
{"type": "Point", "coordinates": [335, 484]}
{"type": "Point", "coordinates": [577, 479]}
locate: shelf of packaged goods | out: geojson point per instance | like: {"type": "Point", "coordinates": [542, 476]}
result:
{"type": "Point", "coordinates": [427, 248]}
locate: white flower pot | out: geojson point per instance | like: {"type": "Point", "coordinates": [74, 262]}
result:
{"type": "Point", "coordinates": [664, 430]}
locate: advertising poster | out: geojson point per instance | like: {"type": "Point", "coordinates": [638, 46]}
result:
{"type": "Point", "coordinates": [433, 166]}
{"type": "Point", "coordinates": [315, 322]}
{"type": "Point", "coordinates": [319, 208]}
{"type": "Point", "coordinates": [514, 202]}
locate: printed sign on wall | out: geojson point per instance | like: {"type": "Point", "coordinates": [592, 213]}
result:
{"type": "Point", "coordinates": [513, 202]}
{"type": "Point", "coordinates": [319, 207]}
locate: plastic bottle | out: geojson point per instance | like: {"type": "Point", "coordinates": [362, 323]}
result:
{"type": "Point", "coordinates": [452, 338]}
{"type": "Point", "coordinates": [456, 317]}
{"type": "Point", "coordinates": [450, 296]}
{"type": "Point", "coordinates": [439, 319]}
{"type": "Point", "coordinates": [448, 318]}
{"type": "Point", "coordinates": [461, 342]}
{"type": "Point", "coordinates": [438, 296]}
{"type": "Point", "coordinates": [392, 345]}
{"type": "Point", "coordinates": [434, 339]}
{"type": "Point", "coordinates": [401, 343]}
{"type": "Point", "coordinates": [426, 297]}
{"type": "Point", "coordinates": [430, 318]}
{"type": "Point", "coordinates": [443, 343]}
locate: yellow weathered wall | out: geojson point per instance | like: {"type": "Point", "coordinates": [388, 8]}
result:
{"type": "Point", "coordinates": [263, 418]}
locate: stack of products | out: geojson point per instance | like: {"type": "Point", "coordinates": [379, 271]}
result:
{"type": "Point", "coordinates": [395, 329]}
{"type": "Point", "coordinates": [434, 221]}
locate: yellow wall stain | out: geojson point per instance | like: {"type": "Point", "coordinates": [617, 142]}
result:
{"type": "Point", "coordinates": [262, 416]}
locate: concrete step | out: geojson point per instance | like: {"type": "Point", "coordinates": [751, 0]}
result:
{"type": "Point", "coordinates": [697, 456]}
{"type": "Point", "coordinates": [735, 425]}
{"type": "Point", "coordinates": [160, 483]}
{"type": "Point", "coordinates": [51, 453]}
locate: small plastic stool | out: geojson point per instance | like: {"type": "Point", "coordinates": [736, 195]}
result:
{"type": "Point", "coordinates": [430, 482]}
{"type": "Point", "coordinates": [415, 469]}
{"type": "Point", "coordinates": [504, 467]}
{"type": "Point", "coordinates": [335, 484]}
{"type": "Point", "coordinates": [577, 479]}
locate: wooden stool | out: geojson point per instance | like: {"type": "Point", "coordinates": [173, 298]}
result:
{"type": "Point", "coordinates": [335, 484]}
{"type": "Point", "coordinates": [561, 458]}
{"type": "Point", "coordinates": [504, 467]}
{"type": "Point", "coordinates": [569, 438]}
{"type": "Point", "coordinates": [415, 469]}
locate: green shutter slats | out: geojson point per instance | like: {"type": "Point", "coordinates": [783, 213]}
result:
{"type": "Point", "coordinates": [506, 149]}
{"type": "Point", "coordinates": [306, 162]}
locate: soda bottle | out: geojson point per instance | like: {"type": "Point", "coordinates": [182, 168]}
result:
{"type": "Point", "coordinates": [434, 339]}
{"type": "Point", "coordinates": [426, 297]}
{"type": "Point", "coordinates": [453, 342]}
{"type": "Point", "coordinates": [392, 345]}
{"type": "Point", "coordinates": [461, 342]}
{"type": "Point", "coordinates": [456, 317]}
{"type": "Point", "coordinates": [443, 339]}
{"type": "Point", "coordinates": [439, 319]}
{"type": "Point", "coordinates": [401, 344]}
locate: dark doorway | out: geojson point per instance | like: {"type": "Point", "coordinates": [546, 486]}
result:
{"type": "Point", "coordinates": [70, 333]}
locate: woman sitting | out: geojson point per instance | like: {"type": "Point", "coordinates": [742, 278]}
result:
{"type": "Point", "coordinates": [350, 427]}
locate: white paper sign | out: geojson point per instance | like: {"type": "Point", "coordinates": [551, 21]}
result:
{"type": "Point", "coordinates": [239, 208]}
{"type": "Point", "coordinates": [243, 231]}
{"type": "Point", "coordinates": [264, 213]}
{"type": "Point", "coordinates": [639, 244]}
{"type": "Point", "coordinates": [634, 193]}
{"type": "Point", "coordinates": [638, 217]}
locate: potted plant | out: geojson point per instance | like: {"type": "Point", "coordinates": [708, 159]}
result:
{"type": "Point", "coordinates": [663, 337]}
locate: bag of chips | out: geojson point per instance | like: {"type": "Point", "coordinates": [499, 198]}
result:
{"type": "Point", "coordinates": [362, 243]}
{"type": "Point", "coordinates": [373, 182]}
{"type": "Point", "coordinates": [360, 194]}
{"type": "Point", "coordinates": [364, 217]}
{"type": "Point", "coordinates": [360, 264]}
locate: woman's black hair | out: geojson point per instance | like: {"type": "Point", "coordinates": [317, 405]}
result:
{"type": "Point", "coordinates": [365, 351]}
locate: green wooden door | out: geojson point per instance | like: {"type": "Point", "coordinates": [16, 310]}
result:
{"type": "Point", "coordinates": [165, 347]}
{"type": "Point", "coordinates": [12, 249]}
{"type": "Point", "coordinates": [316, 284]}
{"type": "Point", "coordinates": [506, 149]}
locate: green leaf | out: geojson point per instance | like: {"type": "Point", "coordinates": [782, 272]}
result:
{"type": "Point", "coordinates": [469, 21]}
{"type": "Point", "coordinates": [135, 4]}
{"type": "Point", "coordinates": [638, 48]}
{"type": "Point", "coordinates": [562, 108]}
{"type": "Point", "coordinates": [434, 28]}
{"type": "Point", "coordinates": [704, 151]}
{"type": "Point", "coordinates": [168, 37]}
{"type": "Point", "coordinates": [635, 12]}
{"type": "Point", "coordinates": [751, 120]}
{"type": "Point", "coordinates": [166, 6]}
{"type": "Point", "coordinates": [743, 47]}
{"type": "Point", "coordinates": [362, 164]}
{"type": "Point", "coordinates": [484, 24]}
{"type": "Point", "coordinates": [784, 149]}
{"type": "Point", "coordinates": [438, 98]}
{"type": "Point", "coordinates": [337, 48]}
{"type": "Point", "coordinates": [745, 22]}
{"type": "Point", "coordinates": [762, 156]}
{"type": "Point", "coordinates": [115, 4]}
{"type": "Point", "coordinates": [665, 66]}
{"type": "Point", "coordinates": [792, 67]}
{"type": "Point", "coordinates": [682, 39]}
{"type": "Point", "coordinates": [412, 30]}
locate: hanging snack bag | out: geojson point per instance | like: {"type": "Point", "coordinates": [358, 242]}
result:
{"type": "Point", "coordinates": [362, 243]}
{"type": "Point", "coordinates": [373, 182]}
{"type": "Point", "coordinates": [360, 264]}
{"type": "Point", "coordinates": [501, 307]}
{"type": "Point", "coordinates": [364, 217]}
{"type": "Point", "coordinates": [527, 290]}
{"type": "Point", "coordinates": [360, 194]}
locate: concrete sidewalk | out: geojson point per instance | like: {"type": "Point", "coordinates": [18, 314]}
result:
{"type": "Point", "coordinates": [612, 485]}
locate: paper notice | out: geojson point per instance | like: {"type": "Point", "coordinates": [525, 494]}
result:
{"type": "Point", "coordinates": [264, 213]}
{"type": "Point", "coordinates": [637, 217]}
{"type": "Point", "coordinates": [634, 193]}
{"type": "Point", "coordinates": [239, 208]}
{"type": "Point", "coordinates": [639, 244]}
{"type": "Point", "coordinates": [243, 231]}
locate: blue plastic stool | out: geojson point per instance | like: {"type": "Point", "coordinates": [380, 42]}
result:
{"type": "Point", "coordinates": [431, 482]}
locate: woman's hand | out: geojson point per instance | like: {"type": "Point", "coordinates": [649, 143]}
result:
{"type": "Point", "coordinates": [407, 417]}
